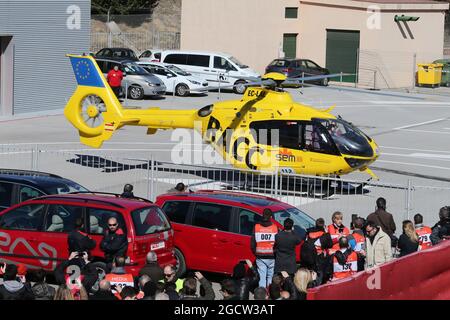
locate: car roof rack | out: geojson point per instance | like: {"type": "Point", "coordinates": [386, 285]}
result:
{"type": "Point", "coordinates": [110, 194]}
{"type": "Point", "coordinates": [18, 172]}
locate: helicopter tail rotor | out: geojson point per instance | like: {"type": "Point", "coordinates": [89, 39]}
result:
{"type": "Point", "coordinates": [93, 109]}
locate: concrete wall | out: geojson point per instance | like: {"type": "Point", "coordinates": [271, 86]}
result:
{"type": "Point", "coordinates": [251, 30]}
{"type": "Point", "coordinates": [389, 49]}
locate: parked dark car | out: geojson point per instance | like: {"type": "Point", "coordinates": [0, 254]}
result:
{"type": "Point", "coordinates": [294, 68]}
{"type": "Point", "coordinates": [17, 186]}
{"type": "Point", "coordinates": [117, 54]}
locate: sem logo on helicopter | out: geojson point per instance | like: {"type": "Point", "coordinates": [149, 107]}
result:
{"type": "Point", "coordinates": [285, 157]}
{"type": "Point", "coordinates": [257, 93]}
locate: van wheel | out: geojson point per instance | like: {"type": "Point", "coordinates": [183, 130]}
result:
{"type": "Point", "coordinates": [136, 93]}
{"type": "Point", "coordinates": [182, 90]}
{"type": "Point", "coordinates": [239, 87]}
{"type": "Point", "coordinates": [181, 263]}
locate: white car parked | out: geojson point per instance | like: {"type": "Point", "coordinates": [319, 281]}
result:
{"type": "Point", "coordinates": [175, 79]}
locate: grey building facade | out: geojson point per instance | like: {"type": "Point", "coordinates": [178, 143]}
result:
{"type": "Point", "coordinates": [35, 36]}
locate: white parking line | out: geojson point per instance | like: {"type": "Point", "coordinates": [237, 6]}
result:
{"type": "Point", "coordinates": [413, 149]}
{"type": "Point", "coordinates": [413, 164]}
{"type": "Point", "coordinates": [424, 131]}
{"type": "Point", "coordinates": [440, 157]}
{"type": "Point", "coordinates": [419, 124]}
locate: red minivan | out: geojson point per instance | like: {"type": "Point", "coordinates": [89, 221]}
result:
{"type": "Point", "coordinates": [35, 232]}
{"type": "Point", "coordinates": [213, 228]}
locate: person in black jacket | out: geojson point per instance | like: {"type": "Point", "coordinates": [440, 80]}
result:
{"type": "Point", "coordinates": [104, 293]}
{"type": "Point", "coordinates": [409, 240]}
{"type": "Point", "coordinates": [79, 241]}
{"type": "Point", "coordinates": [152, 268]}
{"type": "Point", "coordinates": [245, 282]}
{"type": "Point", "coordinates": [228, 290]}
{"type": "Point", "coordinates": [114, 242]}
{"type": "Point", "coordinates": [12, 288]}
{"type": "Point", "coordinates": [284, 248]}
{"type": "Point", "coordinates": [441, 230]}
{"type": "Point", "coordinates": [127, 191]}
{"type": "Point", "coordinates": [189, 291]}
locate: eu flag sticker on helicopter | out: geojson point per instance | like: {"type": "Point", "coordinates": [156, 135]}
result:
{"type": "Point", "coordinates": [85, 72]}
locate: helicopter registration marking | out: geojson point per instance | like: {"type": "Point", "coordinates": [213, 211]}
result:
{"type": "Point", "coordinates": [257, 93]}
{"type": "Point", "coordinates": [287, 170]}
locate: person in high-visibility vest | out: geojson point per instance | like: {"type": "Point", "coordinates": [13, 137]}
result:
{"type": "Point", "coordinates": [345, 260]}
{"type": "Point", "coordinates": [315, 233]}
{"type": "Point", "coordinates": [423, 232]}
{"type": "Point", "coordinates": [357, 241]}
{"type": "Point", "coordinates": [337, 230]}
{"type": "Point", "coordinates": [118, 278]}
{"type": "Point", "coordinates": [262, 242]}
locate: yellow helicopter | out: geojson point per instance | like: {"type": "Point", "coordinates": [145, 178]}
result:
{"type": "Point", "coordinates": [265, 130]}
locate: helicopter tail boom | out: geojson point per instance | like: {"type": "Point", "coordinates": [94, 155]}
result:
{"type": "Point", "coordinates": [96, 112]}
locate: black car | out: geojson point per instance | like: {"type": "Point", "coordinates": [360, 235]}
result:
{"type": "Point", "coordinates": [294, 68]}
{"type": "Point", "coordinates": [117, 54]}
{"type": "Point", "coordinates": [20, 185]}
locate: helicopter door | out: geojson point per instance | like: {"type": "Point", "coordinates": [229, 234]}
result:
{"type": "Point", "coordinates": [317, 139]}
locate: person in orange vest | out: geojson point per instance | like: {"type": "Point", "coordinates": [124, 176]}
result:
{"type": "Point", "coordinates": [345, 260]}
{"type": "Point", "coordinates": [114, 78]}
{"type": "Point", "coordinates": [315, 233]}
{"type": "Point", "coordinates": [337, 230]}
{"type": "Point", "coordinates": [262, 242]}
{"type": "Point", "coordinates": [357, 241]}
{"type": "Point", "coordinates": [118, 278]}
{"type": "Point", "coordinates": [424, 232]}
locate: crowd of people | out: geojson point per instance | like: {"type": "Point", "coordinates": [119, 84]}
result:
{"type": "Point", "coordinates": [328, 253]}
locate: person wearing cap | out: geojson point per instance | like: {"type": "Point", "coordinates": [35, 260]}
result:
{"type": "Point", "coordinates": [152, 268]}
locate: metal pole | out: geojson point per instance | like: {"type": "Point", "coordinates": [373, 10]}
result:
{"type": "Point", "coordinates": [218, 97]}
{"type": "Point", "coordinates": [341, 78]}
{"type": "Point", "coordinates": [152, 178]}
{"type": "Point", "coordinates": [357, 68]}
{"type": "Point", "coordinates": [414, 71]}
{"type": "Point", "coordinates": [408, 199]}
{"type": "Point", "coordinates": [303, 79]}
{"type": "Point", "coordinates": [126, 94]}
{"type": "Point", "coordinates": [109, 32]}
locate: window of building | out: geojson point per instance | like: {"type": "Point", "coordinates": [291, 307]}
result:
{"type": "Point", "coordinates": [290, 45]}
{"type": "Point", "coordinates": [291, 13]}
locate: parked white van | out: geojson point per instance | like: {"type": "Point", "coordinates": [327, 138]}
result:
{"type": "Point", "coordinates": [213, 67]}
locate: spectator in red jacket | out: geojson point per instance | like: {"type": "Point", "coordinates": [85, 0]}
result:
{"type": "Point", "coordinates": [114, 78]}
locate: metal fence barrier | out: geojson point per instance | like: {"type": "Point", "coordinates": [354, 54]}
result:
{"type": "Point", "coordinates": [317, 196]}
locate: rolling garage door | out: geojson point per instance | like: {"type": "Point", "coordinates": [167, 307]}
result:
{"type": "Point", "coordinates": [342, 52]}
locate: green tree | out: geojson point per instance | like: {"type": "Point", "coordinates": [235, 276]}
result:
{"type": "Point", "coordinates": [122, 7]}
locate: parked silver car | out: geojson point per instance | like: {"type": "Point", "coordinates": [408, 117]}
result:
{"type": "Point", "coordinates": [137, 81]}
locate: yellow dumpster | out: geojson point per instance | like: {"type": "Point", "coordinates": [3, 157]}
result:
{"type": "Point", "coordinates": [429, 74]}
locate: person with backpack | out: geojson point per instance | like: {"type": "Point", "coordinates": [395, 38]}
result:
{"type": "Point", "coordinates": [345, 260]}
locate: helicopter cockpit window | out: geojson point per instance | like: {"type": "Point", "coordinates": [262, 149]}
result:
{"type": "Point", "coordinates": [282, 133]}
{"type": "Point", "coordinates": [349, 139]}
{"type": "Point", "coordinates": [317, 139]}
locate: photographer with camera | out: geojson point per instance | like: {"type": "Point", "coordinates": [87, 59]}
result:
{"type": "Point", "coordinates": [79, 241]}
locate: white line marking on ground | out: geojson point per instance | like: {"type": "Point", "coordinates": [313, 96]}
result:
{"type": "Point", "coordinates": [411, 102]}
{"type": "Point", "coordinates": [424, 131]}
{"type": "Point", "coordinates": [441, 157]}
{"type": "Point", "coordinates": [414, 164]}
{"type": "Point", "coordinates": [413, 149]}
{"type": "Point", "coordinates": [419, 124]}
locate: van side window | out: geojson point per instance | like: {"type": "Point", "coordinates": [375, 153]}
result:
{"type": "Point", "coordinates": [212, 216]}
{"type": "Point", "coordinates": [176, 58]}
{"type": "Point", "coordinates": [5, 194]}
{"type": "Point", "coordinates": [198, 60]}
{"type": "Point", "coordinates": [27, 218]}
{"type": "Point", "coordinates": [222, 63]}
{"type": "Point", "coordinates": [176, 210]}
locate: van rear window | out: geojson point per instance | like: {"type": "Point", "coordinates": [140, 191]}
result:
{"type": "Point", "coordinates": [149, 220]}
